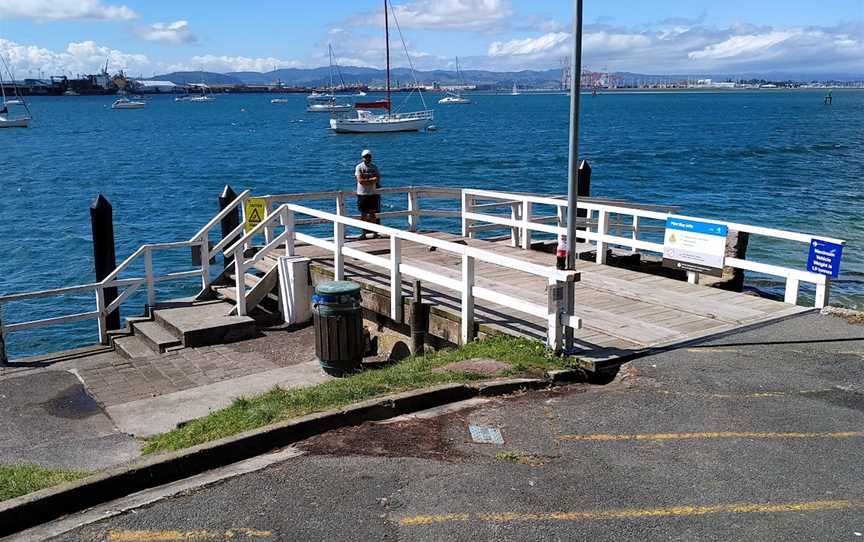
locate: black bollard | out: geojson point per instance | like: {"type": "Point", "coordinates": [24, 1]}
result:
{"type": "Point", "coordinates": [583, 186]}
{"type": "Point", "coordinates": [104, 258]}
{"type": "Point", "coordinates": [419, 321]}
{"type": "Point", "coordinates": [231, 220]}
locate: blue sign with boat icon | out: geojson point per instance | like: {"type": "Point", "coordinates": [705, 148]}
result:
{"type": "Point", "coordinates": [825, 258]}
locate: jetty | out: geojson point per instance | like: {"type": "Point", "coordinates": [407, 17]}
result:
{"type": "Point", "coordinates": [483, 261]}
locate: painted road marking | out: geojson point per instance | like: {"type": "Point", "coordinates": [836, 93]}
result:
{"type": "Point", "coordinates": [630, 513]}
{"type": "Point", "coordinates": [705, 436]}
{"type": "Point", "coordinates": [172, 536]}
{"type": "Point", "coordinates": [754, 395]}
{"type": "Point", "coordinates": [717, 349]}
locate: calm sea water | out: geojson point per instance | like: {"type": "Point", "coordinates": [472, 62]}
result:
{"type": "Point", "coordinates": [778, 159]}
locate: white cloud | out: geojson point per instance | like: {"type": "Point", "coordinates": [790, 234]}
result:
{"type": "Point", "coordinates": [473, 15]}
{"type": "Point", "coordinates": [681, 48]}
{"type": "Point", "coordinates": [55, 10]}
{"type": "Point", "coordinates": [547, 44]}
{"type": "Point", "coordinates": [79, 57]}
{"type": "Point", "coordinates": [213, 63]}
{"type": "Point", "coordinates": [176, 33]}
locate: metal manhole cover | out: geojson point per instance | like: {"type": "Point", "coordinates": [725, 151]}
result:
{"type": "Point", "coordinates": [485, 435]}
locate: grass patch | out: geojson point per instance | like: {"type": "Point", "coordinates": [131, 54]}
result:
{"type": "Point", "coordinates": [414, 373]}
{"type": "Point", "coordinates": [520, 459]}
{"type": "Point", "coordinates": [17, 480]}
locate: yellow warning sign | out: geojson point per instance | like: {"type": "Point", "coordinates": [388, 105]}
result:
{"type": "Point", "coordinates": [255, 212]}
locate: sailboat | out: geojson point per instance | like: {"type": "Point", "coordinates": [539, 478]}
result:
{"type": "Point", "coordinates": [206, 94]}
{"type": "Point", "coordinates": [367, 122]}
{"type": "Point", "coordinates": [328, 102]}
{"type": "Point", "coordinates": [455, 98]}
{"type": "Point", "coordinates": [515, 90]}
{"type": "Point", "coordinates": [7, 120]}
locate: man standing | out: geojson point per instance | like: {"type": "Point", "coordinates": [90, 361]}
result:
{"type": "Point", "coordinates": [368, 199]}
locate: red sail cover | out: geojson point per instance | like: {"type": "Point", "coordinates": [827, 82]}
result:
{"type": "Point", "coordinates": [380, 104]}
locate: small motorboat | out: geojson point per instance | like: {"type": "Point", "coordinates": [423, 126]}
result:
{"type": "Point", "coordinates": [126, 103]}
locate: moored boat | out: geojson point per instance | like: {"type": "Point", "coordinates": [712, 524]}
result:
{"type": "Point", "coordinates": [365, 122]}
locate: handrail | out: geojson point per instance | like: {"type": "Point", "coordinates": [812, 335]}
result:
{"type": "Point", "coordinates": [200, 240]}
{"type": "Point", "coordinates": [558, 311]}
{"type": "Point", "coordinates": [522, 223]}
{"type": "Point", "coordinates": [202, 233]}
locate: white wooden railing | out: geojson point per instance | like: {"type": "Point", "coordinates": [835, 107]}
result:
{"type": "Point", "coordinates": [602, 218]}
{"type": "Point", "coordinates": [558, 312]}
{"type": "Point", "coordinates": [129, 286]}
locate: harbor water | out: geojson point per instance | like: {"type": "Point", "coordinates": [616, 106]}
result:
{"type": "Point", "coordinates": [773, 158]}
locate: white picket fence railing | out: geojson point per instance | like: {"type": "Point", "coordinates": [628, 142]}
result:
{"type": "Point", "coordinates": [129, 286]}
{"type": "Point", "coordinates": [558, 313]}
{"type": "Point", "coordinates": [601, 218]}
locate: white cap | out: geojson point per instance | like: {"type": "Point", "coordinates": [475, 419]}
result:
{"type": "Point", "coordinates": [365, 153]}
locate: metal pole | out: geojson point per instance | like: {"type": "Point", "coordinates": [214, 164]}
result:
{"type": "Point", "coordinates": [573, 178]}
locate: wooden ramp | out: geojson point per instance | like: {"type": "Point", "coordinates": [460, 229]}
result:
{"type": "Point", "coordinates": [623, 311]}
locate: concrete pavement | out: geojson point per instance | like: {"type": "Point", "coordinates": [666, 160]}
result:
{"type": "Point", "coordinates": [756, 436]}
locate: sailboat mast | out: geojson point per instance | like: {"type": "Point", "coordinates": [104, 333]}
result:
{"type": "Point", "coordinates": [387, 40]}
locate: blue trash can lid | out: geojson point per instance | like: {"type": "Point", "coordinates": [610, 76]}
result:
{"type": "Point", "coordinates": [338, 288]}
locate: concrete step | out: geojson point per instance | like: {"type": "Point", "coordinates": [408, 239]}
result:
{"type": "Point", "coordinates": [132, 347]}
{"type": "Point", "coordinates": [206, 323]}
{"type": "Point", "coordinates": [155, 336]}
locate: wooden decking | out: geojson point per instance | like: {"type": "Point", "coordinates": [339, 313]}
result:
{"type": "Point", "coordinates": [623, 311]}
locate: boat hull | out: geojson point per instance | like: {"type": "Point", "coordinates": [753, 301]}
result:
{"type": "Point", "coordinates": [454, 101]}
{"type": "Point", "coordinates": [328, 108]}
{"type": "Point", "coordinates": [130, 105]}
{"type": "Point", "coordinates": [356, 126]}
{"type": "Point", "coordinates": [14, 123]}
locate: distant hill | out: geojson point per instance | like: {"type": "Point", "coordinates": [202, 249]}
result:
{"type": "Point", "coordinates": [317, 77]}
{"type": "Point", "coordinates": [186, 78]}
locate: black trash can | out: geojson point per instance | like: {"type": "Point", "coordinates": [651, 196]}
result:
{"type": "Point", "coordinates": [338, 317]}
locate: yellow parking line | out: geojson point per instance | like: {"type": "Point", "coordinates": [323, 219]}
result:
{"type": "Point", "coordinates": [172, 536]}
{"type": "Point", "coordinates": [754, 395]}
{"type": "Point", "coordinates": [675, 511]}
{"type": "Point", "coordinates": [705, 436]}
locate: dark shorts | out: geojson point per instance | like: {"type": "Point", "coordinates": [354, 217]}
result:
{"type": "Point", "coordinates": [369, 204]}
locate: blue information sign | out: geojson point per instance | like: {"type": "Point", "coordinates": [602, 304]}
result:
{"type": "Point", "coordinates": [825, 258]}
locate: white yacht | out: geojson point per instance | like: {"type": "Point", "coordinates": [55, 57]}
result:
{"type": "Point", "coordinates": [7, 119]}
{"type": "Point", "coordinates": [125, 103]}
{"type": "Point", "coordinates": [456, 98]}
{"type": "Point", "coordinates": [367, 122]}
{"type": "Point", "coordinates": [515, 90]}
{"type": "Point", "coordinates": [329, 102]}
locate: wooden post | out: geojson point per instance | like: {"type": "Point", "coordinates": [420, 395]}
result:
{"type": "Point", "coordinates": [467, 334]}
{"type": "Point", "coordinates": [291, 237]}
{"type": "Point", "coordinates": [340, 203]}
{"type": "Point", "coordinates": [413, 209]}
{"type": "Point", "coordinates": [231, 221]}
{"type": "Point", "coordinates": [526, 225]}
{"type": "Point", "coordinates": [602, 230]}
{"type": "Point", "coordinates": [823, 292]}
{"type": "Point", "coordinates": [4, 358]}
{"type": "Point", "coordinates": [635, 234]}
{"type": "Point", "coordinates": [556, 306]}
{"type": "Point", "coordinates": [104, 258]}
{"type": "Point", "coordinates": [100, 307]}
{"type": "Point", "coordinates": [467, 207]}
{"type": "Point", "coordinates": [148, 271]}
{"type": "Point", "coordinates": [338, 257]}
{"type": "Point", "coordinates": [395, 279]}
{"type": "Point", "coordinates": [514, 231]}
{"type": "Point", "coordinates": [240, 282]}
{"type": "Point", "coordinates": [791, 290]}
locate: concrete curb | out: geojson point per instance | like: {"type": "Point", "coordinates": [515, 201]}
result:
{"type": "Point", "coordinates": [49, 504]}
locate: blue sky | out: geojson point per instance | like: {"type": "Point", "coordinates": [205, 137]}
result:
{"type": "Point", "coordinates": [657, 36]}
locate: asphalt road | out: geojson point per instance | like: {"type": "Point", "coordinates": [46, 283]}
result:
{"type": "Point", "coordinates": [757, 436]}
